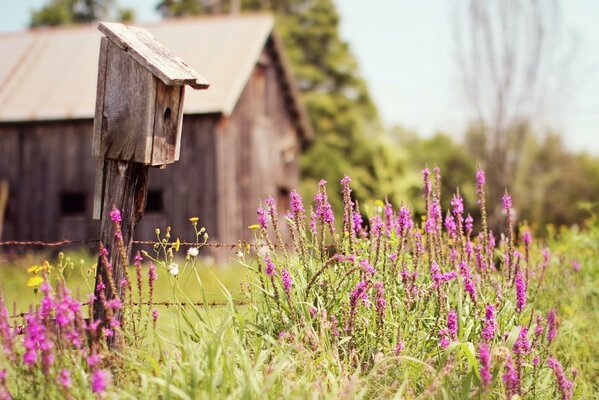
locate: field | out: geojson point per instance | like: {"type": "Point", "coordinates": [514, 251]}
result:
{"type": "Point", "coordinates": [388, 309]}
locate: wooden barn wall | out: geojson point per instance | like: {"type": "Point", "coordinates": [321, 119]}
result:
{"type": "Point", "coordinates": [44, 162]}
{"type": "Point", "coordinates": [188, 186]}
{"type": "Point", "coordinates": [252, 147]}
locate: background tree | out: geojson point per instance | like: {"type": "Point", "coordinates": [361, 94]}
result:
{"type": "Point", "coordinates": [67, 12]}
{"type": "Point", "coordinates": [514, 64]}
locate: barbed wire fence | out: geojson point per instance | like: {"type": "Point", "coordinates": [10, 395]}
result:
{"type": "Point", "coordinates": [67, 242]}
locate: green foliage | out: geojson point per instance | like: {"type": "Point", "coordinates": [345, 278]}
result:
{"type": "Point", "coordinates": [68, 12]}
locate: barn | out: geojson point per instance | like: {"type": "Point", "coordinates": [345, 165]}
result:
{"type": "Point", "coordinates": [241, 138]}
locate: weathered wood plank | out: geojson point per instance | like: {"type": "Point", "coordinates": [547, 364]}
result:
{"type": "Point", "coordinates": [167, 126]}
{"type": "Point", "coordinates": [152, 55]}
{"type": "Point", "coordinates": [129, 105]}
{"type": "Point", "coordinates": [98, 119]}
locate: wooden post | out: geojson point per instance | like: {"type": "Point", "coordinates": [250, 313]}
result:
{"type": "Point", "coordinates": [139, 114]}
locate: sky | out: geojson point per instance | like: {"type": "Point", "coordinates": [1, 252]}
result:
{"type": "Point", "coordinates": [406, 53]}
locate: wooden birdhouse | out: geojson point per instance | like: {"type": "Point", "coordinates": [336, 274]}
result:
{"type": "Point", "coordinates": [139, 103]}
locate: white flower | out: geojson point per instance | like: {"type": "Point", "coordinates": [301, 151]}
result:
{"type": "Point", "coordinates": [173, 269]}
{"type": "Point", "coordinates": [193, 251]}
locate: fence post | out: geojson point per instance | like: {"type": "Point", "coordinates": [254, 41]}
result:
{"type": "Point", "coordinates": [137, 124]}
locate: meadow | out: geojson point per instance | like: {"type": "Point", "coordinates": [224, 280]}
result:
{"type": "Point", "coordinates": [374, 303]}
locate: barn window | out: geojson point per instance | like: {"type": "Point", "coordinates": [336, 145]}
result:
{"type": "Point", "coordinates": [155, 201]}
{"type": "Point", "coordinates": [72, 203]}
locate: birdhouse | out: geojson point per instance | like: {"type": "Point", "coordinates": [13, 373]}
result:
{"type": "Point", "coordinates": [139, 104]}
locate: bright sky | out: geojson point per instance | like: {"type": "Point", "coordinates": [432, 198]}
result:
{"type": "Point", "coordinates": [406, 54]}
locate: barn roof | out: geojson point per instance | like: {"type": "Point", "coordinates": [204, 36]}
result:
{"type": "Point", "coordinates": [50, 73]}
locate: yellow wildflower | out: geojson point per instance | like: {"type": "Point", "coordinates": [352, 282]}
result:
{"type": "Point", "coordinates": [35, 281]}
{"type": "Point", "coordinates": [177, 244]}
{"type": "Point", "coordinates": [255, 226]}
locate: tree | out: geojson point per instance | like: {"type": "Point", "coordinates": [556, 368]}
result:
{"type": "Point", "coordinates": [68, 12]}
{"type": "Point", "coordinates": [513, 60]}
{"type": "Point", "coordinates": [349, 135]}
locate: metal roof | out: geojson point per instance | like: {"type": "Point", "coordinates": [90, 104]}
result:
{"type": "Point", "coordinates": [51, 73]}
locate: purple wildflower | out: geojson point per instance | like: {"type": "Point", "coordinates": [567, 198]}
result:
{"type": "Point", "coordinates": [426, 187]}
{"type": "Point", "coordinates": [286, 281]}
{"type": "Point", "coordinates": [520, 292]}
{"type": "Point", "coordinates": [115, 215]}
{"type": "Point", "coordinates": [576, 265]}
{"type": "Point", "coordinates": [366, 267]}
{"type": "Point", "coordinates": [262, 218]}
{"type": "Point", "coordinates": [450, 225]}
{"type": "Point", "coordinates": [324, 210]}
{"type": "Point", "coordinates": [100, 380]}
{"type": "Point", "coordinates": [434, 217]}
{"type": "Point", "coordinates": [390, 222]}
{"type": "Point", "coordinates": [484, 355]}
{"type": "Point", "coordinates": [404, 220]}
{"type": "Point", "coordinates": [522, 345]}
{"type": "Point", "coordinates": [155, 315]}
{"type": "Point", "coordinates": [64, 378]}
{"type": "Point", "coordinates": [551, 325]}
{"type": "Point", "coordinates": [564, 385]}
{"type": "Point", "coordinates": [536, 361]}
{"type": "Point", "coordinates": [297, 205]}
{"type": "Point", "coordinates": [469, 285]}
{"type": "Point", "coordinates": [93, 360]}
{"type": "Point", "coordinates": [381, 303]}
{"type": "Point", "coordinates": [490, 324]}
{"type": "Point", "coordinates": [526, 238]}
{"type": "Point", "coordinates": [377, 225]}
{"type": "Point", "coordinates": [452, 324]}
{"type": "Point", "coordinates": [507, 202]}
{"type": "Point", "coordinates": [399, 347]}
{"type": "Point", "coordinates": [457, 204]}
{"type": "Point", "coordinates": [438, 277]}
{"type": "Point", "coordinates": [359, 293]}
{"type": "Point", "coordinates": [444, 338]}
{"type": "Point", "coordinates": [358, 221]}
{"type": "Point", "coordinates": [270, 266]}
{"type": "Point", "coordinates": [510, 379]}
{"type": "Point", "coordinates": [480, 179]}
{"type": "Point", "coordinates": [469, 224]}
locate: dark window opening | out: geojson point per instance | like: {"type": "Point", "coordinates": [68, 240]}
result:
{"type": "Point", "coordinates": [72, 203]}
{"type": "Point", "coordinates": [154, 202]}
{"type": "Point", "coordinates": [283, 199]}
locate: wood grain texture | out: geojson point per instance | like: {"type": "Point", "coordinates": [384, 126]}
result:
{"type": "Point", "coordinates": [167, 124]}
{"type": "Point", "coordinates": [126, 188]}
{"type": "Point", "coordinates": [99, 113]}
{"type": "Point", "coordinates": [129, 101]}
{"type": "Point", "coordinates": [152, 55]}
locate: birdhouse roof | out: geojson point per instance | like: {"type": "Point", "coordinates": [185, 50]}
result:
{"type": "Point", "coordinates": [152, 55]}
{"type": "Point", "coordinates": [51, 73]}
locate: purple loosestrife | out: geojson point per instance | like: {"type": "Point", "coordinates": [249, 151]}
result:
{"type": "Point", "coordinates": [155, 315]}
{"type": "Point", "coordinates": [100, 380]}
{"type": "Point", "coordinates": [433, 218]}
{"type": "Point", "coordinates": [390, 221]}
{"type": "Point", "coordinates": [358, 222]}
{"type": "Point", "coordinates": [4, 393]}
{"type": "Point", "coordinates": [380, 303]}
{"type": "Point", "coordinates": [551, 325]}
{"type": "Point", "coordinates": [152, 275]}
{"type": "Point", "coordinates": [262, 217]}
{"type": "Point", "coordinates": [510, 379]}
{"type": "Point", "coordinates": [360, 293]}
{"type": "Point", "coordinates": [438, 277]}
{"type": "Point", "coordinates": [367, 268]}
{"type": "Point", "coordinates": [520, 292]}
{"type": "Point", "coordinates": [469, 223]}
{"type": "Point", "coordinates": [469, 285]}
{"type": "Point", "coordinates": [399, 347]}
{"type": "Point", "coordinates": [64, 378]}
{"type": "Point", "coordinates": [451, 226]}
{"type": "Point", "coordinates": [270, 266]}
{"type": "Point", "coordinates": [297, 205]}
{"type": "Point", "coordinates": [452, 324]}
{"type": "Point", "coordinates": [490, 324]}
{"type": "Point", "coordinates": [47, 301]}
{"type": "Point", "coordinates": [377, 226]}
{"type": "Point", "coordinates": [324, 210]}
{"type": "Point", "coordinates": [484, 355]}
{"type": "Point", "coordinates": [576, 265]}
{"type": "Point", "coordinates": [286, 281]}
{"type": "Point", "coordinates": [564, 385]}
{"type": "Point", "coordinates": [7, 337]}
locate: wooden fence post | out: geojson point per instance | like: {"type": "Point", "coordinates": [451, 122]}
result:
{"type": "Point", "coordinates": [137, 124]}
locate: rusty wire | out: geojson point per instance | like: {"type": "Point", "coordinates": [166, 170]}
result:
{"type": "Point", "coordinates": [39, 243]}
